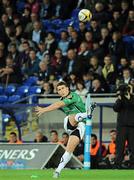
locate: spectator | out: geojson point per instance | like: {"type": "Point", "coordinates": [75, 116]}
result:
{"type": "Point", "coordinates": [72, 79]}
{"type": "Point", "coordinates": [108, 71]}
{"type": "Point", "coordinates": [124, 64]}
{"type": "Point", "coordinates": [58, 63]}
{"type": "Point", "coordinates": [54, 136]}
{"type": "Point", "coordinates": [125, 79]}
{"type": "Point", "coordinates": [111, 28]}
{"type": "Point", "coordinates": [41, 50]}
{"type": "Point", "coordinates": [65, 138]}
{"type": "Point", "coordinates": [124, 10]}
{"type": "Point", "coordinates": [14, 52]}
{"type": "Point", "coordinates": [17, 20]}
{"type": "Point", "coordinates": [46, 59]}
{"type": "Point", "coordinates": [95, 152]}
{"type": "Point", "coordinates": [89, 39]}
{"type": "Point", "coordinates": [24, 54]}
{"type": "Point", "coordinates": [97, 87]}
{"type": "Point", "coordinates": [63, 42]}
{"type": "Point", "coordinates": [129, 26]}
{"type": "Point", "coordinates": [111, 150]}
{"type": "Point", "coordinates": [71, 62]}
{"type": "Point", "coordinates": [32, 64]}
{"type": "Point", "coordinates": [43, 72]}
{"type": "Point", "coordinates": [50, 43]}
{"type": "Point", "coordinates": [19, 31]}
{"type": "Point", "coordinates": [82, 30]}
{"type": "Point", "coordinates": [125, 124]}
{"type": "Point", "coordinates": [100, 13]}
{"type": "Point", "coordinates": [104, 41]}
{"type": "Point", "coordinates": [98, 52]}
{"type": "Point", "coordinates": [37, 34]}
{"type": "Point", "coordinates": [54, 85]}
{"type": "Point", "coordinates": [57, 14]}
{"type": "Point", "coordinates": [116, 47]}
{"type": "Point", "coordinates": [81, 90]}
{"type": "Point", "coordinates": [9, 11]}
{"type": "Point", "coordinates": [13, 139]}
{"type": "Point", "coordinates": [75, 41]}
{"type": "Point", "coordinates": [83, 56]}
{"type": "Point", "coordinates": [47, 9]}
{"type": "Point", "coordinates": [70, 29]}
{"type": "Point", "coordinates": [94, 66]}
{"type": "Point", "coordinates": [33, 5]}
{"type": "Point", "coordinates": [88, 78]}
{"type": "Point", "coordinates": [5, 21]}
{"type": "Point", "coordinates": [26, 16]}
{"type": "Point", "coordinates": [39, 137]}
{"type": "Point", "coordinates": [11, 73]}
{"type": "Point", "coordinates": [95, 30]}
{"type": "Point", "coordinates": [117, 21]}
{"type": "Point", "coordinates": [29, 26]}
{"type": "Point", "coordinates": [47, 89]}
{"type": "Point", "coordinates": [25, 38]}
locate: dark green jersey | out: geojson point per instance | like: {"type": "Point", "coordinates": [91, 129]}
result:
{"type": "Point", "coordinates": [74, 104]}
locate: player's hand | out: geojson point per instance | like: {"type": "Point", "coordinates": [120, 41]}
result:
{"type": "Point", "coordinates": [39, 110]}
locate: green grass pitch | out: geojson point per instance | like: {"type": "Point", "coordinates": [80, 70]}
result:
{"type": "Point", "coordinates": [67, 175]}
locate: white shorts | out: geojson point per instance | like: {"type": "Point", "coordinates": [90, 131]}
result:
{"type": "Point", "coordinates": [80, 127]}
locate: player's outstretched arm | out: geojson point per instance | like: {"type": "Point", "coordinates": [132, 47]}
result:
{"type": "Point", "coordinates": [54, 106]}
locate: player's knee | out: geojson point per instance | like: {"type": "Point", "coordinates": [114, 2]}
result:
{"type": "Point", "coordinates": [78, 117]}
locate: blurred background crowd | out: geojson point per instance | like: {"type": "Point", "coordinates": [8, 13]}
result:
{"type": "Point", "coordinates": [44, 38]}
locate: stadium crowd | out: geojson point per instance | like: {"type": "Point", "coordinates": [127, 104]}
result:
{"type": "Point", "coordinates": [44, 38]}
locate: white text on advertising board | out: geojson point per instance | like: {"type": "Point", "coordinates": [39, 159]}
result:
{"type": "Point", "coordinates": [18, 154]}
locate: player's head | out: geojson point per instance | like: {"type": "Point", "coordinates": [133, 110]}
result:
{"type": "Point", "coordinates": [63, 89]}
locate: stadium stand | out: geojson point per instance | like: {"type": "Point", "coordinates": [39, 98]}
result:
{"type": "Point", "coordinates": [24, 25]}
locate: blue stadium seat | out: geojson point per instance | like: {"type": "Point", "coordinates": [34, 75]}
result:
{"type": "Point", "coordinates": [22, 90]}
{"type": "Point", "coordinates": [129, 41]}
{"type": "Point", "coordinates": [13, 98]}
{"type": "Point", "coordinates": [76, 25]}
{"type": "Point", "coordinates": [50, 30]}
{"type": "Point", "coordinates": [47, 24]}
{"type": "Point", "coordinates": [5, 117]}
{"type": "Point", "coordinates": [56, 23]}
{"type": "Point", "coordinates": [74, 13]}
{"type": "Point", "coordinates": [34, 90]}
{"type": "Point", "coordinates": [10, 90]}
{"type": "Point", "coordinates": [1, 90]}
{"type": "Point", "coordinates": [66, 23]}
{"type": "Point", "coordinates": [32, 80]}
{"type": "Point", "coordinates": [3, 99]}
